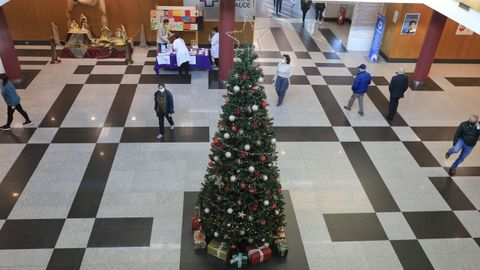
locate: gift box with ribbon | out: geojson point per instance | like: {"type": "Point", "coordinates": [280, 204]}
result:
{"type": "Point", "coordinates": [239, 260]}
{"type": "Point", "coordinates": [218, 249]}
{"type": "Point", "coordinates": [199, 241]}
{"type": "Point", "coordinates": [196, 220]}
{"type": "Point", "coordinates": [280, 247]}
{"type": "Point", "coordinates": [281, 233]}
{"type": "Point", "coordinates": [259, 254]}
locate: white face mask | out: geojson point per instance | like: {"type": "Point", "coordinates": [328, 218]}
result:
{"type": "Point", "coordinates": [284, 61]}
{"type": "Point", "coordinates": [161, 89]}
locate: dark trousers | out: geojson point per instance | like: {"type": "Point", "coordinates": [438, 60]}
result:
{"type": "Point", "coordinates": [10, 113]}
{"type": "Point", "coordinates": [217, 62]}
{"type": "Point", "coordinates": [305, 9]}
{"type": "Point", "coordinates": [392, 108]}
{"type": "Point", "coordinates": [278, 6]}
{"type": "Point", "coordinates": [319, 14]}
{"type": "Point", "coordinates": [161, 121]}
{"type": "Point", "coordinates": [183, 67]}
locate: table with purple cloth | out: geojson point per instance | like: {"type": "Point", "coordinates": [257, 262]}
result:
{"type": "Point", "coordinates": [202, 61]}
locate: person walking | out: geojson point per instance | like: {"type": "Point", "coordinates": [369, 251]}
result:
{"type": "Point", "coordinates": [282, 78]}
{"type": "Point", "coordinates": [319, 9]}
{"type": "Point", "coordinates": [398, 86]}
{"type": "Point", "coordinates": [163, 34]}
{"type": "Point", "coordinates": [359, 88]}
{"type": "Point", "coordinates": [465, 139]}
{"type": "Point", "coordinates": [164, 108]}
{"type": "Point", "coordinates": [215, 41]}
{"type": "Point", "coordinates": [12, 99]}
{"type": "Point", "coordinates": [278, 6]}
{"type": "Point", "coordinates": [182, 53]}
{"type": "Point", "coordinates": [305, 5]}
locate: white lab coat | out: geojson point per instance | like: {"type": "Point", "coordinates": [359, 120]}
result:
{"type": "Point", "coordinates": [183, 55]}
{"type": "Point", "coordinates": [215, 41]}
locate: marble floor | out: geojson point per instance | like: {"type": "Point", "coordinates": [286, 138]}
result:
{"type": "Point", "coordinates": [89, 187]}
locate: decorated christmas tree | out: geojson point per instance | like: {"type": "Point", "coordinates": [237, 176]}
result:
{"type": "Point", "coordinates": [241, 202]}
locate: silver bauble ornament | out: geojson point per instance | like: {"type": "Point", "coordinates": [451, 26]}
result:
{"type": "Point", "coordinates": [229, 210]}
{"type": "Point", "coordinates": [216, 158]}
{"type": "Point", "coordinates": [247, 147]}
{"type": "Point", "coordinates": [242, 232]}
{"type": "Point", "coordinates": [226, 136]}
{"type": "Point", "coordinates": [266, 202]}
{"type": "Point", "coordinates": [265, 178]}
{"type": "Point", "coordinates": [216, 234]}
{"type": "Point", "coordinates": [231, 118]}
{"type": "Point", "coordinates": [277, 212]}
{"type": "Point", "coordinates": [251, 169]}
{"type": "Point", "coordinates": [260, 80]}
{"type": "Point", "coordinates": [254, 108]}
{"type": "Point", "coordinates": [236, 88]}
{"type": "Point", "coordinates": [273, 141]}
{"type": "Point", "coordinates": [233, 178]}
{"type": "Point", "coordinates": [206, 210]}
{"type": "Point", "coordinates": [228, 155]}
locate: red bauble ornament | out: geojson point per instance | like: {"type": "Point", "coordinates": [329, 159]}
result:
{"type": "Point", "coordinates": [257, 173]}
{"type": "Point", "coordinates": [216, 141]}
{"type": "Point", "coordinates": [233, 247]}
{"type": "Point", "coordinates": [243, 154]}
{"type": "Point", "coordinates": [254, 207]}
{"type": "Point", "coordinates": [234, 128]}
{"type": "Point", "coordinates": [279, 190]}
{"type": "Point", "coordinates": [245, 76]}
{"type": "Point", "coordinates": [274, 205]}
{"type": "Point", "coordinates": [263, 158]}
{"type": "Point", "coordinates": [243, 185]}
{"type": "Point", "coordinates": [255, 123]}
{"type": "Point", "coordinates": [251, 189]}
{"type": "Point", "coordinates": [210, 163]}
{"type": "Point", "coordinates": [212, 145]}
{"type": "Point", "coordinates": [227, 189]}
{"type": "Point", "coordinates": [264, 103]}
{"type": "Point", "coordinates": [266, 123]}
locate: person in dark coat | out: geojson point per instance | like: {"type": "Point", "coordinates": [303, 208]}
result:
{"type": "Point", "coordinates": [12, 99]}
{"type": "Point", "coordinates": [398, 86]}
{"type": "Point", "coordinates": [319, 9]}
{"type": "Point", "coordinates": [278, 6]}
{"type": "Point", "coordinates": [164, 108]}
{"type": "Point", "coordinates": [305, 5]}
{"type": "Point", "coordinates": [465, 139]}
{"type": "Point", "coordinates": [359, 88]}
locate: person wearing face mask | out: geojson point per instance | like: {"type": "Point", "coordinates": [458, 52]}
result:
{"type": "Point", "coordinates": [182, 53]}
{"type": "Point", "coordinates": [282, 78]}
{"type": "Point", "coordinates": [164, 108]}
{"type": "Point", "coordinates": [163, 34]}
{"type": "Point", "coordinates": [465, 139]}
{"type": "Point", "coordinates": [12, 100]}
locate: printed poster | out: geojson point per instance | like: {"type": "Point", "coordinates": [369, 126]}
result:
{"type": "Point", "coordinates": [377, 39]}
{"type": "Point", "coordinates": [410, 24]}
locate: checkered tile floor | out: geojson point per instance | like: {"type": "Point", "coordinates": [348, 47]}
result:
{"type": "Point", "coordinates": [89, 187]}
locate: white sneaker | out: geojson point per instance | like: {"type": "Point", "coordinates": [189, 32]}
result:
{"type": "Point", "coordinates": [159, 136]}
{"type": "Point", "coordinates": [172, 127]}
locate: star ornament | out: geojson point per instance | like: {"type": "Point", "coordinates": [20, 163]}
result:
{"type": "Point", "coordinates": [241, 214]}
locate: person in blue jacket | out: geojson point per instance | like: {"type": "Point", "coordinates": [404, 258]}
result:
{"type": "Point", "coordinates": [164, 108]}
{"type": "Point", "coordinates": [12, 100]}
{"type": "Point", "coordinates": [359, 88]}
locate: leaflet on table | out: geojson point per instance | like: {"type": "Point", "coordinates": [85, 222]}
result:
{"type": "Point", "coordinates": [193, 60]}
{"type": "Point", "coordinates": [163, 59]}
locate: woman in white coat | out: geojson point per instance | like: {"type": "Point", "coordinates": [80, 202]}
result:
{"type": "Point", "coordinates": [215, 41]}
{"type": "Point", "coordinates": [183, 55]}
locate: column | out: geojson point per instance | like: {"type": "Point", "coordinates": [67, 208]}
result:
{"type": "Point", "coordinates": [7, 50]}
{"type": "Point", "coordinates": [429, 47]}
{"type": "Point", "coordinates": [227, 24]}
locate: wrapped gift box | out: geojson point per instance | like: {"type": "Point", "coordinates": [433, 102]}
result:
{"type": "Point", "coordinates": [258, 255]}
{"type": "Point", "coordinates": [281, 233]}
{"type": "Point", "coordinates": [281, 247]}
{"type": "Point", "coordinates": [199, 241]}
{"type": "Point", "coordinates": [239, 260]}
{"type": "Point", "coordinates": [195, 222]}
{"type": "Point", "coordinates": [218, 249]}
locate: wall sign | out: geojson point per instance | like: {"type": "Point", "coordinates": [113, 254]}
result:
{"type": "Point", "coordinates": [377, 39]}
{"type": "Point", "coordinates": [211, 8]}
{"type": "Point", "coordinates": [410, 24]}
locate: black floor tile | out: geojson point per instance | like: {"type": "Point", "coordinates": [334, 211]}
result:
{"type": "Point", "coordinates": [306, 38]}
{"type": "Point", "coordinates": [18, 176]}
{"type": "Point", "coordinates": [311, 71]}
{"type": "Point", "coordinates": [464, 81]}
{"type": "Point", "coordinates": [441, 224]}
{"type": "Point", "coordinates": [214, 82]}
{"type": "Point", "coordinates": [452, 194]}
{"type": "Point", "coordinates": [269, 54]}
{"type": "Point", "coordinates": [200, 260]}
{"type": "Point", "coordinates": [335, 42]}
{"type": "Point", "coordinates": [89, 195]}
{"type": "Point", "coordinates": [180, 134]}
{"type": "Point", "coordinates": [382, 104]}
{"type": "Point", "coordinates": [118, 114]}
{"type": "Point", "coordinates": [121, 232]}
{"type": "Point", "coordinates": [435, 133]}
{"type": "Point", "coordinates": [421, 154]}
{"type": "Point", "coordinates": [111, 63]}
{"type": "Point", "coordinates": [16, 135]}
{"type": "Point", "coordinates": [77, 135]}
{"type": "Point", "coordinates": [376, 190]}
{"type": "Point", "coordinates": [303, 55]}
{"type": "Point", "coordinates": [33, 62]}
{"type": "Point", "coordinates": [149, 63]}
{"type": "Point", "coordinates": [134, 69]}
{"type": "Point", "coordinates": [152, 53]}
{"type": "Point", "coordinates": [66, 259]}
{"type": "Point", "coordinates": [84, 69]}
{"type": "Point", "coordinates": [28, 76]}
{"type": "Point", "coordinates": [466, 171]}
{"type": "Point", "coordinates": [281, 39]}
{"type": "Point", "coordinates": [35, 52]}
{"type": "Point", "coordinates": [294, 79]}
{"type": "Point", "coordinates": [477, 240]}
{"type": "Point", "coordinates": [104, 79]}
{"type": "Point", "coordinates": [411, 255]}
{"type": "Point", "coordinates": [374, 134]}
{"type": "Point", "coordinates": [338, 80]}
{"type": "Point", "coordinates": [305, 134]}
{"type": "Point", "coordinates": [429, 84]}
{"type": "Point", "coordinates": [353, 71]}
{"type": "Point", "coordinates": [164, 78]}
{"type": "Point", "coordinates": [379, 81]}
{"type": "Point", "coordinates": [354, 227]}
{"type": "Point", "coordinates": [331, 55]}
{"type": "Point", "coordinates": [61, 106]}
{"type": "Point", "coordinates": [30, 233]}
{"type": "Point", "coordinates": [330, 105]}
{"type": "Point", "coordinates": [333, 65]}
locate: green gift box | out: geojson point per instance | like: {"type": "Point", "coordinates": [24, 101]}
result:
{"type": "Point", "coordinates": [281, 247]}
{"type": "Point", "coordinates": [239, 260]}
{"type": "Point", "coordinates": [218, 249]}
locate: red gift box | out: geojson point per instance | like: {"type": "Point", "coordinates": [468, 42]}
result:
{"type": "Point", "coordinates": [196, 220]}
{"type": "Point", "coordinates": [258, 255]}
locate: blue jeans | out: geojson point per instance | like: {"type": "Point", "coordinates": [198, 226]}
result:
{"type": "Point", "coordinates": [460, 146]}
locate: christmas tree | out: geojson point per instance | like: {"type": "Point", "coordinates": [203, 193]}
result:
{"type": "Point", "coordinates": [241, 201]}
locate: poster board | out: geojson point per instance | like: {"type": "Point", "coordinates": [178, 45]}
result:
{"type": "Point", "coordinates": [410, 24]}
{"type": "Point", "coordinates": [180, 18]}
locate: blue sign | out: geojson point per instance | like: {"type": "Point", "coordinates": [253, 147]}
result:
{"type": "Point", "coordinates": [377, 39]}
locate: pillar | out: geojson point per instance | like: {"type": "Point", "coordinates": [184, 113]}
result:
{"type": "Point", "coordinates": [429, 47]}
{"type": "Point", "coordinates": [7, 50]}
{"type": "Point", "coordinates": [227, 24]}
